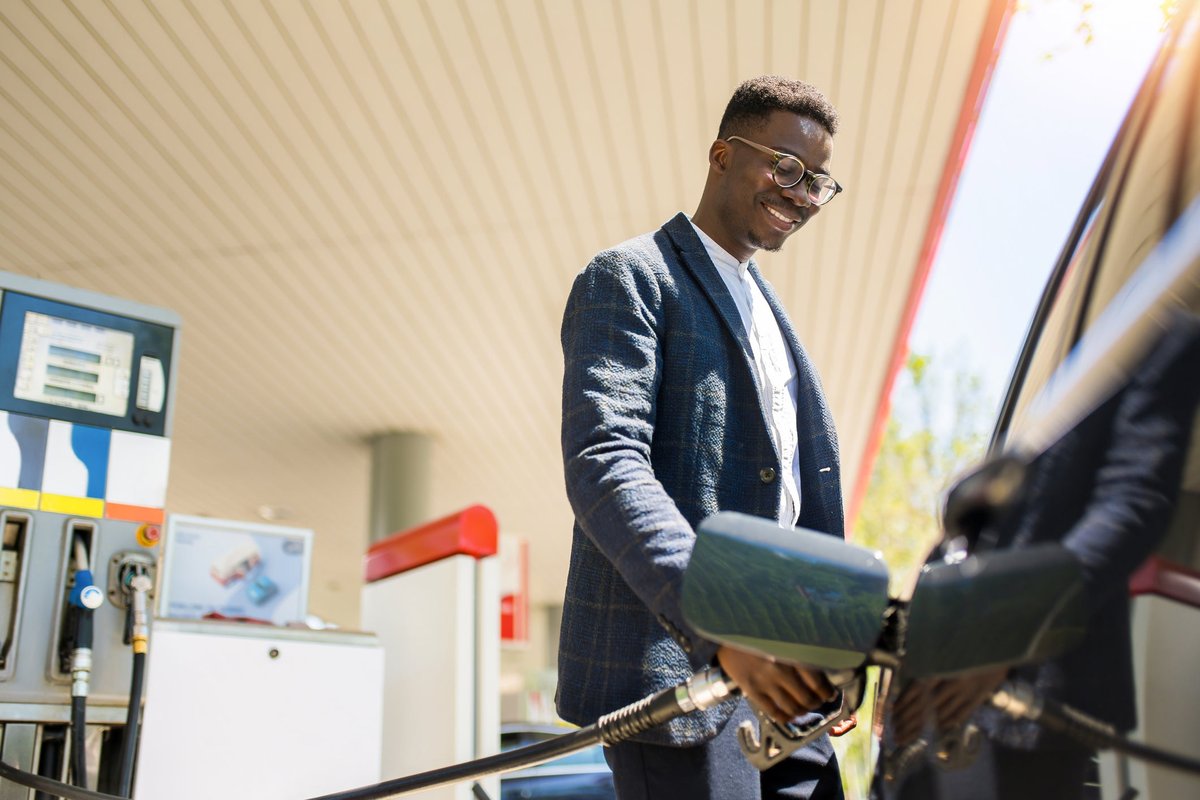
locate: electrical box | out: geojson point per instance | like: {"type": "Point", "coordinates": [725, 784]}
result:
{"type": "Point", "coordinates": [240, 710]}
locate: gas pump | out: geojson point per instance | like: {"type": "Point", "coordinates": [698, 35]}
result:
{"type": "Point", "coordinates": [86, 401]}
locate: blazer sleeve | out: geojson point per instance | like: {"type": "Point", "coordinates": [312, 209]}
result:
{"type": "Point", "coordinates": [613, 367]}
{"type": "Point", "coordinates": [1137, 483]}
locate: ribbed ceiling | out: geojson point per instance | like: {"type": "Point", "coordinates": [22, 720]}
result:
{"type": "Point", "coordinates": [369, 214]}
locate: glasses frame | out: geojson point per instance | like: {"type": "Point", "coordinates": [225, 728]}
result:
{"type": "Point", "coordinates": [806, 175]}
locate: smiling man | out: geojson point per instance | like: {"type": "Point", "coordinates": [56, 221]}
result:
{"type": "Point", "coordinates": [686, 392]}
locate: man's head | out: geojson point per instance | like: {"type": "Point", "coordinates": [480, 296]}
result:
{"type": "Point", "coordinates": [743, 207]}
{"type": "Point", "coordinates": [755, 99]}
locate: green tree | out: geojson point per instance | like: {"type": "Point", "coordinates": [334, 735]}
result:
{"type": "Point", "coordinates": [939, 425]}
{"type": "Point", "coordinates": [1084, 32]}
{"type": "Point", "coordinates": [940, 430]}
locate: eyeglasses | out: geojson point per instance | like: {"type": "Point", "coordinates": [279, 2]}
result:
{"type": "Point", "coordinates": [787, 170]}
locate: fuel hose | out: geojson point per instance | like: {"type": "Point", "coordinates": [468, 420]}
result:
{"type": "Point", "coordinates": [705, 689]}
{"type": "Point", "coordinates": [1019, 701]}
{"type": "Point", "coordinates": [139, 640]}
{"type": "Point", "coordinates": [79, 740]}
{"type": "Point", "coordinates": [132, 726]}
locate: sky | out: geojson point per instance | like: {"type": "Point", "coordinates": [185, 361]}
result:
{"type": "Point", "coordinates": [1052, 108]}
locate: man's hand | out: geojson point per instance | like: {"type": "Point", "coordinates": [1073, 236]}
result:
{"type": "Point", "coordinates": [907, 715]}
{"type": "Point", "coordinates": [949, 702]}
{"type": "Point", "coordinates": [955, 700]}
{"type": "Point", "coordinates": [782, 691]}
{"type": "Point", "coordinates": [845, 726]}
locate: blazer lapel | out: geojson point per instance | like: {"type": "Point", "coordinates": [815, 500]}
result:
{"type": "Point", "coordinates": [821, 496]}
{"type": "Point", "coordinates": [695, 258]}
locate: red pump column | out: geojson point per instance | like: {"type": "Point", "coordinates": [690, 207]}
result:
{"type": "Point", "coordinates": [432, 596]}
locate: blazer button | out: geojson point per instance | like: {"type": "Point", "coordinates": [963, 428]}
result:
{"type": "Point", "coordinates": [766, 474]}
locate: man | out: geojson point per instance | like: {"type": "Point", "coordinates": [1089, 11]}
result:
{"type": "Point", "coordinates": [1107, 491]}
{"type": "Point", "coordinates": [686, 392]}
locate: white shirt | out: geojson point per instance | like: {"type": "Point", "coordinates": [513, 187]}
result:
{"type": "Point", "coordinates": [774, 366]}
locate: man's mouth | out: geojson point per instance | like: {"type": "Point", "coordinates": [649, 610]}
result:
{"type": "Point", "coordinates": [782, 221]}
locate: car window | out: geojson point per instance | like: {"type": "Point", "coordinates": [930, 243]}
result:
{"type": "Point", "coordinates": [590, 755]}
{"type": "Point", "coordinates": [1161, 178]}
{"type": "Point", "coordinates": [1054, 335]}
{"type": "Point", "coordinates": [515, 739]}
{"type": "Point", "coordinates": [1156, 175]}
{"type": "Point", "coordinates": [510, 740]}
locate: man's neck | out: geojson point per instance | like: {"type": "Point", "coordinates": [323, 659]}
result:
{"type": "Point", "coordinates": [720, 256]}
{"type": "Point", "coordinates": [707, 221]}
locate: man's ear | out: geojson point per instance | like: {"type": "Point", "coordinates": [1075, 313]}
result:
{"type": "Point", "coordinates": [719, 154]}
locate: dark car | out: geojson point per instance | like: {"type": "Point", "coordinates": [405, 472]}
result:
{"type": "Point", "coordinates": [583, 775]}
{"type": "Point", "coordinates": [1146, 193]}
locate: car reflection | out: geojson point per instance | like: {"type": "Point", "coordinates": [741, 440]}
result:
{"type": "Point", "coordinates": [582, 775]}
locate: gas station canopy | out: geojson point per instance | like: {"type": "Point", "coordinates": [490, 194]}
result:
{"type": "Point", "coordinates": [368, 215]}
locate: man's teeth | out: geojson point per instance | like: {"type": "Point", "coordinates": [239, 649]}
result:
{"type": "Point", "coordinates": [777, 215]}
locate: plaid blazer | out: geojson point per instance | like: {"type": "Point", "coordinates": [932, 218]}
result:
{"type": "Point", "coordinates": [662, 426]}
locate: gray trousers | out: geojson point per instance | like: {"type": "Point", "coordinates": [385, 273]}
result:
{"type": "Point", "coordinates": [717, 770]}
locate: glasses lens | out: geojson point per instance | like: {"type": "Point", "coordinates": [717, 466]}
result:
{"type": "Point", "coordinates": [788, 171]}
{"type": "Point", "coordinates": [821, 189]}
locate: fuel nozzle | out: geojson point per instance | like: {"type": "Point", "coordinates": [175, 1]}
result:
{"type": "Point", "coordinates": [85, 597]}
{"type": "Point", "coordinates": [979, 499]}
{"type": "Point", "coordinates": [85, 594]}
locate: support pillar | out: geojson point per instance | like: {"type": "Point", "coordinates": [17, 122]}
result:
{"type": "Point", "coordinates": [400, 482]}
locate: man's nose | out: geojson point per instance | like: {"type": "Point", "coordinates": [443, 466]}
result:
{"type": "Point", "coordinates": [798, 194]}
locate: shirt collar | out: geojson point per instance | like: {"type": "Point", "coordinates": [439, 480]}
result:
{"type": "Point", "coordinates": [719, 255]}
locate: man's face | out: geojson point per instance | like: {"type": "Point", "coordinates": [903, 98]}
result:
{"type": "Point", "coordinates": [755, 213]}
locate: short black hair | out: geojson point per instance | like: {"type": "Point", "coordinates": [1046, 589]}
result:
{"type": "Point", "coordinates": [755, 99]}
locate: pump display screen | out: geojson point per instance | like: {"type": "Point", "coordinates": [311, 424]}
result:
{"type": "Point", "coordinates": [73, 364]}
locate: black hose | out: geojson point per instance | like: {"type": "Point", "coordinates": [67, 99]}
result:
{"type": "Point", "coordinates": [1101, 736]}
{"type": "Point", "coordinates": [635, 718]}
{"type": "Point", "coordinates": [82, 649]}
{"type": "Point", "coordinates": [1019, 701]}
{"type": "Point", "coordinates": [79, 741]}
{"type": "Point", "coordinates": [50, 786]}
{"type": "Point", "coordinates": [618, 726]}
{"type": "Point", "coordinates": [1157, 756]}
{"type": "Point", "coordinates": [514, 759]}
{"type": "Point", "coordinates": [611, 728]}
{"type": "Point", "coordinates": [503, 762]}
{"type": "Point", "coordinates": [705, 689]}
{"type": "Point", "coordinates": [133, 718]}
